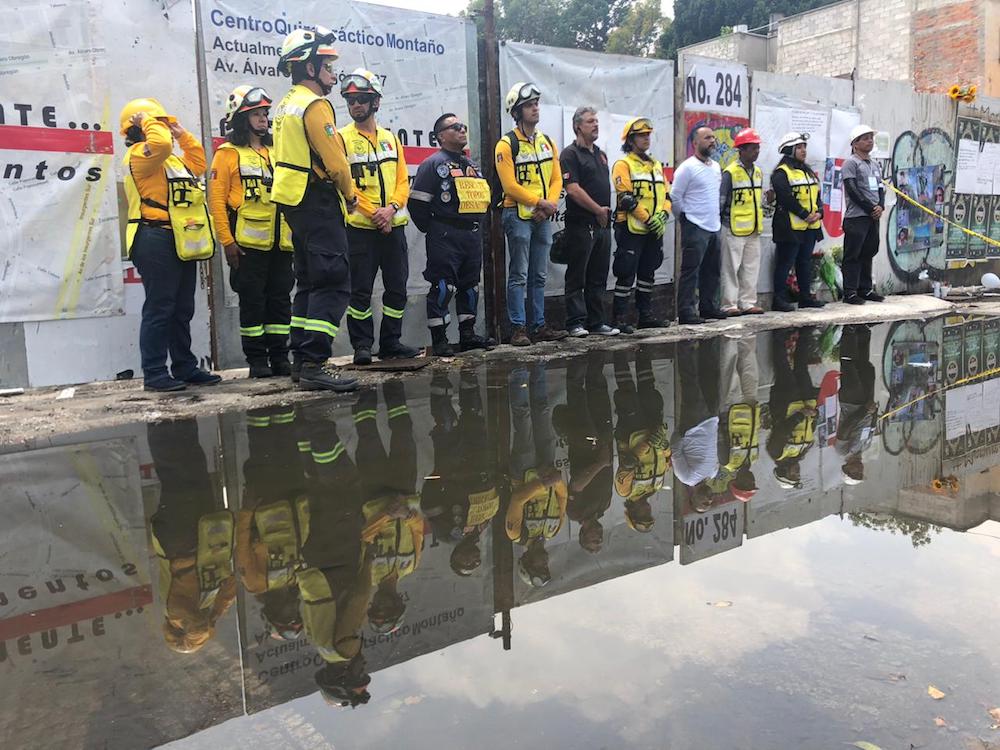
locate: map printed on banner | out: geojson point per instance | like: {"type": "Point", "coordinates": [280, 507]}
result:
{"type": "Point", "coordinates": [56, 149]}
{"type": "Point", "coordinates": [420, 57]}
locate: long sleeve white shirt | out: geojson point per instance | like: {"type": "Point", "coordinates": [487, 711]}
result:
{"type": "Point", "coordinates": [695, 192]}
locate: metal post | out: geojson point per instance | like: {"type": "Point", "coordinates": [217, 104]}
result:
{"type": "Point", "coordinates": [494, 268]}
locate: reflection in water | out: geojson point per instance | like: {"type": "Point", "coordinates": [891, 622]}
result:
{"type": "Point", "coordinates": [287, 549]}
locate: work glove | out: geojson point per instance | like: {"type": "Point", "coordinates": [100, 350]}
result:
{"type": "Point", "coordinates": [657, 223]}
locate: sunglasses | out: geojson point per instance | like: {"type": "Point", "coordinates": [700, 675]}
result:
{"type": "Point", "coordinates": [359, 99]}
{"type": "Point", "coordinates": [458, 127]}
{"type": "Point", "coordinates": [328, 67]}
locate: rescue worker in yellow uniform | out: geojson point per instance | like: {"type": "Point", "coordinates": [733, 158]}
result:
{"type": "Point", "coordinates": [272, 524]}
{"type": "Point", "coordinates": [527, 163]}
{"type": "Point", "coordinates": [192, 536]}
{"type": "Point", "coordinates": [741, 202]}
{"type": "Point", "coordinates": [448, 202]}
{"type": "Point", "coordinates": [257, 242]}
{"type": "Point", "coordinates": [394, 526]}
{"type": "Point", "coordinates": [168, 230]}
{"type": "Point", "coordinates": [644, 455]}
{"type": "Point", "coordinates": [797, 224]}
{"type": "Point", "coordinates": [335, 576]}
{"type": "Point", "coordinates": [461, 500]}
{"type": "Point", "coordinates": [643, 208]}
{"type": "Point", "coordinates": [539, 494]}
{"type": "Point", "coordinates": [741, 436]}
{"type": "Point", "coordinates": [376, 232]}
{"type": "Point", "coordinates": [792, 404]}
{"type": "Point", "coordinates": [312, 183]}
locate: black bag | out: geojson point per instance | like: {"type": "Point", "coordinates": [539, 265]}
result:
{"type": "Point", "coordinates": [559, 252]}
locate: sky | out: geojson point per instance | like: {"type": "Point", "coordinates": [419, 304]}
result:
{"type": "Point", "coordinates": [454, 6]}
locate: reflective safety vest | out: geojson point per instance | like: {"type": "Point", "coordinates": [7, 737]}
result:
{"type": "Point", "coordinates": [744, 435]}
{"type": "Point", "coordinates": [650, 452]}
{"type": "Point", "coordinates": [649, 187]}
{"type": "Point", "coordinates": [394, 546]}
{"type": "Point", "coordinates": [805, 188]}
{"type": "Point", "coordinates": [373, 168]}
{"type": "Point", "coordinates": [541, 517]}
{"type": "Point", "coordinates": [746, 204]}
{"type": "Point", "coordinates": [276, 555]}
{"type": "Point", "coordinates": [319, 618]}
{"type": "Point", "coordinates": [257, 215]}
{"type": "Point", "coordinates": [533, 164]}
{"type": "Point", "coordinates": [801, 438]}
{"type": "Point", "coordinates": [186, 207]}
{"type": "Point", "coordinates": [293, 159]}
{"type": "Point", "coordinates": [213, 557]}
{"type": "Point", "coordinates": [483, 506]}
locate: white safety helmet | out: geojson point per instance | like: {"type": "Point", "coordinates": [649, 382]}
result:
{"type": "Point", "coordinates": [859, 130]}
{"type": "Point", "coordinates": [521, 93]}
{"type": "Point", "coordinates": [302, 44]}
{"type": "Point", "coordinates": [245, 98]}
{"type": "Point", "coordinates": [791, 140]}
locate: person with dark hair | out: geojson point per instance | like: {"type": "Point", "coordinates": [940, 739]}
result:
{"type": "Point", "coordinates": [643, 209]}
{"type": "Point", "coordinates": [257, 242]}
{"type": "Point", "coordinates": [797, 223]}
{"type": "Point", "coordinates": [312, 183]}
{"type": "Point", "coordinates": [588, 215]}
{"type": "Point", "coordinates": [376, 232]}
{"type": "Point", "coordinates": [792, 404]}
{"type": "Point", "coordinates": [448, 202]}
{"type": "Point", "coordinates": [168, 230]}
{"type": "Point", "coordinates": [695, 196]}
{"type": "Point", "coordinates": [527, 163]}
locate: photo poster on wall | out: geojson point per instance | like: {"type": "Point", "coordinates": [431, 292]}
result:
{"type": "Point", "coordinates": [917, 230]}
{"type": "Point", "coordinates": [725, 127]}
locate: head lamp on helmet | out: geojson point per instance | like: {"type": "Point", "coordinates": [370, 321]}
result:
{"type": "Point", "coordinates": [521, 93]}
{"type": "Point", "coordinates": [637, 126]}
{"type": "Point", "coordinates": [303, 44]}
{"type": "Point", "coordinates": [791, 140]}
{"type": "Point", "coordinates": [244, 99]}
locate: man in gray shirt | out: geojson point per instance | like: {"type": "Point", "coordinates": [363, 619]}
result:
{"type": "Point", "coordinates": [695, 195]}
{"type": "Point", "coordinates": [865, 202]}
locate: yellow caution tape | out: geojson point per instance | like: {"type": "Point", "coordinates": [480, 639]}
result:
{"type": "Point", "coordinates": [962, 381]}
{"type": "Point", "coordinates": [938, 216]}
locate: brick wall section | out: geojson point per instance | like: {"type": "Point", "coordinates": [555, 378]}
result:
{"type": "Point", "coordinates": [948, 45]}
{"type": "Point", "coordinates": [819, 43]}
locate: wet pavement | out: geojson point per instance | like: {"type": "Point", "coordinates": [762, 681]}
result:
{"type": "Point", "coordinates": [782, 539]}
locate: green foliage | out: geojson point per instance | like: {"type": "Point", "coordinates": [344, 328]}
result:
{"type": "Point", "coordinates": [639, 31]}
{"type": "Point", "coordinates": [919, 532]}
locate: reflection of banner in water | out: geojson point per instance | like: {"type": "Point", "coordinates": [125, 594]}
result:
{"type": "Point", "coordinates": [912, 376]}
{"type": "Point", "coordinates": [62, 261]}
{"type": "Point", "coordinates": [725, 127]}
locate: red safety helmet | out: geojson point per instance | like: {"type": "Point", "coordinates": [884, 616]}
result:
{"type": "Point", "coordinates": [746, 137]}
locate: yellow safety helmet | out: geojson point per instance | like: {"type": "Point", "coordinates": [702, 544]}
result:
{"type": "Point", "coordinates": [150, 106]}
{"type": "Point", "coordinates": [635, 126]}
{"type": "Point", "coordinates": [244, 98]}
{"type": "Point", "coordinates": [302, 44]}
{"type": "Point", "coordinates": [521, 93]}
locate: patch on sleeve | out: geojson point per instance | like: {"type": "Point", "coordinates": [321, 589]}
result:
{"type": "Point", "coordinates": [330, 130]}
{"type": "Point", "coordinates": [213, 175]}
{"type": "Point", "coordinates": [499, 158]}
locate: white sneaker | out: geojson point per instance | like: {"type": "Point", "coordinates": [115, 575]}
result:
{"type": "Point", "coordinates": [604, 330]}
{"type": "Point", "coordinates": [578, 332]}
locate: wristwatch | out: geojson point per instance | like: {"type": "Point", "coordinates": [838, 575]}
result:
{"type": "Point", "coordinates": [394, 205]}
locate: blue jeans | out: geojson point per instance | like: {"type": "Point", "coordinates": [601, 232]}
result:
{"type": "Point", "coordinates": [528, 244]}
{"type": "Point", "coordinates": [169, 283]}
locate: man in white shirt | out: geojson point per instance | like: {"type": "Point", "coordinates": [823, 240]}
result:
{"type": "Point", "coordinates": [695, 197]}
{"type": "Point", "coordinates": [695, 441]}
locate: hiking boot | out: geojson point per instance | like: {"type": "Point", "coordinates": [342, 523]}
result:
{"type": "Point", "coordinates": [260, 370]}
{"type": "Point", "coordinates": [312, 377]}
{"type": "Point", "coordinates": [281, 367]}
{"type": "Point", "coordinates": [362, 356]}
{"type": "Point", "coordinates": [397, 351]}
{"type": "Point", "coordinates": [440, 346]}
{"type": "Point", "coordinates": [475, 341]}
{"type": "Point", "coordinates": [546, 333]}
{"type": "Point", "coordinates": [519, 337]}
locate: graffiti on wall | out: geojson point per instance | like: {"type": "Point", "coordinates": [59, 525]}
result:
{"type": "Point", "coordinates": [726, 128]}
{"type": "Point", "coordinates": [922, 166]}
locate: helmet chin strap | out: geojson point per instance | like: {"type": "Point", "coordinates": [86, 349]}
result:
{"type": "Point", "coordinates": [259, 133]}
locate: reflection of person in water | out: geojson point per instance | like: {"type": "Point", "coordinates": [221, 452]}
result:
{"type": "Point", "coordinates": [538, 490]}
{"type": "Point", "coordinates": [740, 421]}
{"type": "Point", "coordinates": [394, 525]}
{"type": "Point", "coordinates": [273, 520]}
{"type": "Point", "coordinates": [696, 449]}
{"type": "Point", "coordinates": [584, 422]}
{"type": "Point", "coordinates": [192, 535]}
{"type": "Point", "coordinates": [641, 435]}
{"type": "Point", "coordinates": [858, 411]}
{"type": "Point", "coordinates": [335, 580]}
{"type": "Point", "coordinates": [792, 404]}
{"type": "Point", "coordinates": [461, 499]}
